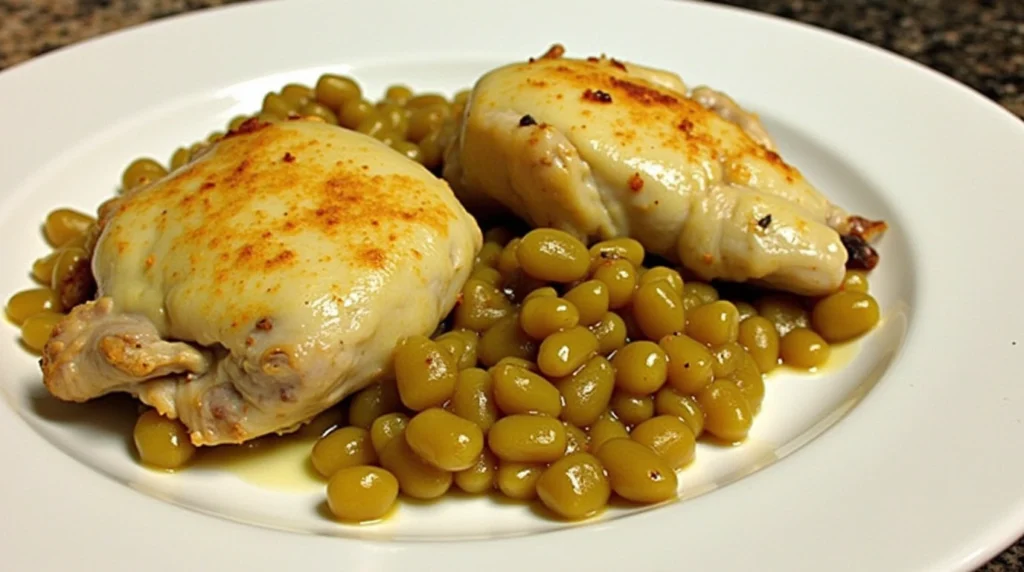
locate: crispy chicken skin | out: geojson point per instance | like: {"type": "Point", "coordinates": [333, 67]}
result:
{"type": "Point", "coordinates": [263, 282]}
{"type": "Point", "coordinates": [602, 148]}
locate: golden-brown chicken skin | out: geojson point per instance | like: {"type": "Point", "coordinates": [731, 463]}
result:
{"type": "Point", "coordinates": [266, 280]}
{"type": "Point", "coordinates": [602, 148]}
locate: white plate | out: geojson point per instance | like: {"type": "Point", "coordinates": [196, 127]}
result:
{"type": "Point", "coordinates": [925, 473]}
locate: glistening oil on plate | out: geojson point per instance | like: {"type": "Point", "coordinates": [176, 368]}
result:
{"type": "Point", "coordinates": [279, 463]}
{"type": "Point", "coordinates": [275, 463]}
{"type": "Point", "coordinates": [840, 356]}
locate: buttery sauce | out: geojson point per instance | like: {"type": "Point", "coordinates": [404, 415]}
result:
{"type": "Point", "coordinates": [274, 463]}
{"type": "Point", "coordinates": [277, 462]}
{"type": "Point", "coordinates": [841, 356]}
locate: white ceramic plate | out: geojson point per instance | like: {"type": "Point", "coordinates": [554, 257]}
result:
{"type": "Point", "coordinates": [924, 473]}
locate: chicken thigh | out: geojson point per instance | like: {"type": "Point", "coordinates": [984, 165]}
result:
{"type": "Point", "coordinates": [260, 284]}
{"type": "Point", "coordinates": [604, 149]}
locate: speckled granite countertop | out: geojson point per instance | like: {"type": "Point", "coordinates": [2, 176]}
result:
{"type": "Point", "coordinates": [978, 42]}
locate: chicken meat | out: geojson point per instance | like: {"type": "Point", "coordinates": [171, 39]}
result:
{"type": "Point", "coordinates": [606, 149]}
{"type": "Point", "coordinates": [263, 282]}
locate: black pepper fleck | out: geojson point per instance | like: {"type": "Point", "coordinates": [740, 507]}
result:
{"type": "Point", "coordinates": [527, 120]}
{"type": "Point", "coordinates": [764, 222]}
{"type": "Point", "coordinates": [597, 95]}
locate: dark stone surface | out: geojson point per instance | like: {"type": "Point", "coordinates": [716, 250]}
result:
{"type": "Point", "coordinates": [978, 42]}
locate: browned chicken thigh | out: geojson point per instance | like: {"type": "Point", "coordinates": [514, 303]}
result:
{"type": "Point", "coordinates": [602, 148]}
{"type": "Point", "coordinates": [263, 282]}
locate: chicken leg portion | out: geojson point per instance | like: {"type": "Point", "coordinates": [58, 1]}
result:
{"type": "Point", "coordinates": [602, 149]}
{"type": "Point", "coordinates": [262, 283]}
